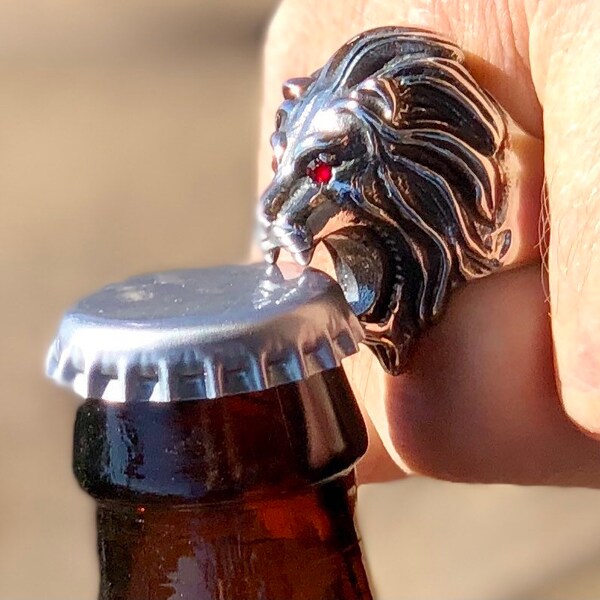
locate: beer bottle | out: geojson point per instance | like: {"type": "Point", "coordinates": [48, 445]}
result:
{"type": "Point", "coordinates": [218, 434]}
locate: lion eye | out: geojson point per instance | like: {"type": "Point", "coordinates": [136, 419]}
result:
{"type": "Point", "coordinates": [319, 171]}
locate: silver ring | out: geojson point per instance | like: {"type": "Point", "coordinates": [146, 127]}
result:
{"type": "Point", "coordinates": [397, 160]}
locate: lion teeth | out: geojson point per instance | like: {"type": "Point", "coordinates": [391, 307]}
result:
{"type": "Point", "coordinates": [303, 258]}
{"type": "Point", "coordinates": [272, 255]}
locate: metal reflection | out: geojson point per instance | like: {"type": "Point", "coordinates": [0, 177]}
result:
{"type": "Point", "coordinates": [414, 195]}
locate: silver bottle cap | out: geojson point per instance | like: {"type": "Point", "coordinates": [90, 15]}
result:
{"type": "Point", "coordinates": [203, 333]}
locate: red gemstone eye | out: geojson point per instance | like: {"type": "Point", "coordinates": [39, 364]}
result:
{"type": "Point", "coordinates": [274, 164]}
{"type": "Point", "coordinates": [319, 172]}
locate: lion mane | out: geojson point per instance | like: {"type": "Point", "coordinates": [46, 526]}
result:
{"type": "Point", "coordinates": [432, 192]}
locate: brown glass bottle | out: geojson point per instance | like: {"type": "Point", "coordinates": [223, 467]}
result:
{"type": "Point", "coordinates": [218, 433]}
{"type": "Point", "coordinates": [242, 497]}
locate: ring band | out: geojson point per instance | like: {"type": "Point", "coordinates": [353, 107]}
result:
{"type": "Point", "coordinates": [403, 166]}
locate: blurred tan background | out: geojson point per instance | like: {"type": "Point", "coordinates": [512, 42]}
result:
{"type": "Point", "coordinates": [127, 144]}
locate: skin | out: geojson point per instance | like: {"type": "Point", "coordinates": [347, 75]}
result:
{"type": "Point", "coordinates": [506, 388]}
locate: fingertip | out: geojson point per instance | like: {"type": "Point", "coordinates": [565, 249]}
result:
{"type": "Point", "coordinates": [583, 408]}
{"type": "Point", "coordinates": [576, 337]}
{"type": "Point", "coordinates": [578, 368]}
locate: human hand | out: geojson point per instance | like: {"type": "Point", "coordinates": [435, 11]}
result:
{"type": "Point", "coordinates": [481, 399]}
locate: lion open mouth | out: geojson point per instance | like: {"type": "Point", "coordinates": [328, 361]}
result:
{"type": "Point", "coordinates": [281, 235]}
{"type": "Point", "coordinates": [361, 260]}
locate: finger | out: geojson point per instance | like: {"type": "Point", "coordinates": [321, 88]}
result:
{"type": "Point", "coordinates": [480, 401]}
{"type": "Point", "coordinates": [301, 38]}
{"type": "Point", "coordinates": [567, 73]}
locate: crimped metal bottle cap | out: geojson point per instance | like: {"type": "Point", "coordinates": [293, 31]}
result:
{"type": "Point", "coordinates": [203, 333]}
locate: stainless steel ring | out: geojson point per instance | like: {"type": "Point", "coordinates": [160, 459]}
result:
{"type": "Point", "coordinates": [398, 161]}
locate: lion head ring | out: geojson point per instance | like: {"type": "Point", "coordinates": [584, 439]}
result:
{"type": "Point", "coordinates": [395, 159]}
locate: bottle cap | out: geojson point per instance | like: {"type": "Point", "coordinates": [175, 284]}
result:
{"type": "Point", "coordinates": [203, 333]}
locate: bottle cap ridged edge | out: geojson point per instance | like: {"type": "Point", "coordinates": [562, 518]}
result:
{"type": "Point", "coordinates": [170, 368]}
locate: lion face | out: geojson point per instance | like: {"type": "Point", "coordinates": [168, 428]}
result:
{"type": "Point", "coordinates": [390, 155]}
{"type": "Point", "coordinates": [321, 152]}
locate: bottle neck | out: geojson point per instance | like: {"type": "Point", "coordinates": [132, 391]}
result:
{"type": "Point", "coordinates": [243, 497]}
{"type": "Point", "coordinates": [298, 546]}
